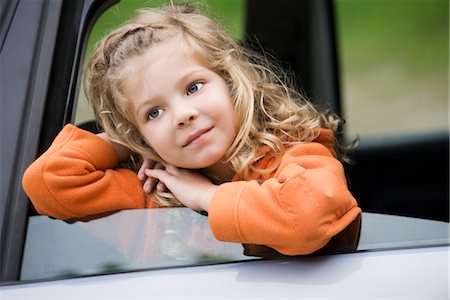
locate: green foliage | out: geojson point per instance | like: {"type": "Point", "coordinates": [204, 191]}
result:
{"type": "Point", "coordinates": [412, 32]}
{"type": "Point", "coordinates": [230, 13]}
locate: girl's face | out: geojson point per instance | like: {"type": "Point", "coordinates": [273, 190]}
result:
{"type": "Point", "coordinates": [182, 108]}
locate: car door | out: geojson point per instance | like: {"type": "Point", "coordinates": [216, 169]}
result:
{"type": "Point", "coordinates": [40, 57]}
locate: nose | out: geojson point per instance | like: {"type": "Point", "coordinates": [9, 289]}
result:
{"type": "Point", "coordinates": [184, 114]}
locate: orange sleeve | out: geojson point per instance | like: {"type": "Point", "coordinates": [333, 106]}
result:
{"type": "Point", "coordinates": [297, 211]}
{"type": "Point", "coordinates": [75, 178]}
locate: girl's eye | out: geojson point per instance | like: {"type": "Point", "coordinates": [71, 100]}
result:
{"type": "Point", "coordinates": [154, 113]}
{"type": "Point", "coordinates": [194, 88]}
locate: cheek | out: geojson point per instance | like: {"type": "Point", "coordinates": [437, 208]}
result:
{"type": "Point", "coordinates": [154, 138]}
{"type": "Point", "coordinates": [232, 116]}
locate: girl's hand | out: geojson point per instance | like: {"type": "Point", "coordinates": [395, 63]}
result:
{"type": "Point", "coordinates": [150, 182]}
{"type": "Point", "coordinates": [190, 187]}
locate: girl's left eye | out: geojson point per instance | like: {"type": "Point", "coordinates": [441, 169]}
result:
{"type": "Point", "coordinates": [193, 88]}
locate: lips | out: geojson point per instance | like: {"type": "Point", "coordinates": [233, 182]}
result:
{"type": "Point", "coordinates": [194, 136]}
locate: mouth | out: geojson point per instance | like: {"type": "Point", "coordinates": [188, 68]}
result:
{"type": "Point", "coordinates": [196, 136]}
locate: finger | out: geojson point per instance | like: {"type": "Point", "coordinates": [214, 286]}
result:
{"type": "Point", "coordinates": [161, 175]}
{"type": "Point", "coordinates": [159, 165]}
{"type": "Point", "coordinates": [170, 169]}
{"type": "Point", "coordinates": [161, 186]}
{"type": "Point", "coordinates": [149, 185]}
{"type": "Point", "coordinates": [141, 174]}
{"type": "Point", "coordinates": [150, 182]}
{"type": "Point", "coordinates": [146, 164]}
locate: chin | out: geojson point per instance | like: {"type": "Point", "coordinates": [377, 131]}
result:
{"type": "Point", "coordinates": [205, 163]}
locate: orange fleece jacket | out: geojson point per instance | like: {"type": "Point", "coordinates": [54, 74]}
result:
{"type": "Point", "coordinates": [296, 210]}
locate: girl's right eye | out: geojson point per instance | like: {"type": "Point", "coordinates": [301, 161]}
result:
{"type": "Point", "coordinates": [154, 113]}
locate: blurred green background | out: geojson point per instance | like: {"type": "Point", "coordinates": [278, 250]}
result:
{"type": "Point", "coordinates": [394, 65]}
{"type": "Point", "coordinates": [230, 13]}
{"type": "Point", "coordinates": [393, 58]}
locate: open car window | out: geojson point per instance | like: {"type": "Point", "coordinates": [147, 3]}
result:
{"type": "Point", "coordinates": [404, 201]}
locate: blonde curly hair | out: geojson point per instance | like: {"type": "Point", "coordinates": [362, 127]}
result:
{"type": "Point", "coordinates": [269, 110]}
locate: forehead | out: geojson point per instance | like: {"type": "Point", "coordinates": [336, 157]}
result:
{"type": "Point", "coordinates": [159, 68]}
{"type": "Point", "coordinates": [160, 53]}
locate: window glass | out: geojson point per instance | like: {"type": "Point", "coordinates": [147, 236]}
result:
{"type": "Point", "coordinates": [394, 66]}
{"type": "Point", "coordinates": [159, 238]}
{"type": "Point", "coordinates": [128, 240]}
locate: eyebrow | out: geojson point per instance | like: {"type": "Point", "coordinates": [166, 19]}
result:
{"type": "Point", "coordinates": [179, 82]}
{"type": "Point", "coordinates": [142, 105]}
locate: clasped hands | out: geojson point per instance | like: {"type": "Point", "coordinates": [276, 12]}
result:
{"type": "Point", "coordinates": [190, 187]}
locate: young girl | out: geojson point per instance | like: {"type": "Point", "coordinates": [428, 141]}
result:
{"type": "Point", "coordinates": [220, 131]}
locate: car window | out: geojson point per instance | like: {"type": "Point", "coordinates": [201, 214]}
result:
{"type": "Point", "coordinates": [164, 238]}
{"type": "Point", "coordinates": [394, 66]}
{"type": "Point", "coordinates": [176, 237]}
